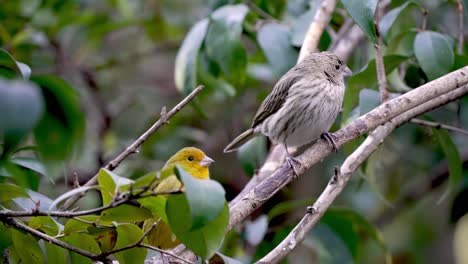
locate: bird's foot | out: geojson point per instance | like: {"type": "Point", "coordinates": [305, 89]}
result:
{"type": "Point", "coordinates": [331, 140]}
{"type": "Point", "coordinates": [294, 164]}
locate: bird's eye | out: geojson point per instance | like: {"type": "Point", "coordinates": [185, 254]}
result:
{"type": "Point", "coordinates": [190, 158]}
{"type": "Point", "coordinates": [337, 67]}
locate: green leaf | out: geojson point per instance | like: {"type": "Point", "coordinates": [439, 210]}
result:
{"type": "Point", "coordinates": [9, 67]}
{"type": "Point", "coordinates": [362, 13]}
{"type": "Point", "coordinates": [156, 204]}
{"type": "Point", "coordinates": [62, 126]}
{"type": "Point", "coordinates": [85, 242]}
{"type": "Point", "coordinates": [55, 254]}
{"type": "Point", "coordinates": [203, 241]}
{"type": "Point", "coordinates": [387, 21]}
{"type": "Point", "coordinates": [288, 206]}
{"type": "Point", "coordinates": [46, 224]}
{"type": "Point", "coordinates": [301, 25]}
{"type": "Point", "coordinates": [352, 228]}
{"type": "Point", "coordinates": [21, 105]}
{"type": "Point", "coordinates": [223, 44]}
{"type": "Point", "coordinates": [27, 247]}
{"type": "Point", "coordinates": [126, 213]}
{"type": "Point", "coordinates": [5, 237]}
{"type": "Point", "coordinates": [107, 186]}
{"type": "Point", "coordinates": [453, 157]}
{"type": "Point", "coordinates": [75, 226]}
{"type": "Point", "coordinates": [252, 154]}
{"type": "Point", "coordinates": [273, 39]}
{"type": "Point", "coordinates": [30, 163]}
{"type": "Point", "coordinates": [366, 79]}
{"type": "Point", "coordinates": [434, 53]}
{"type": "Point", "coordinates": [368, 100]}
{"type": "Point", "coordinates": [205, 198]}
{"type": "Point", "coordinates": [186, 60]}
{"type": "Point", "coordinates": [10, 191]}
{"type": "Point", "coordinates": [128, 234]}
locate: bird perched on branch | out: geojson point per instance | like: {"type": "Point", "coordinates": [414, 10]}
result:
{"type": "Point", "coordinates": [302, 106]}
{"type": "Point", "coordinates": [196, 163]}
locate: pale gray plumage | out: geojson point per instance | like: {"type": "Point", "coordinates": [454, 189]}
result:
{"type": "Point", "coordinates": [303, 104]}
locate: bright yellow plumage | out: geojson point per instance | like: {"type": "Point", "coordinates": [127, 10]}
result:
{"type": "Point", "coordinates": [196, 163]}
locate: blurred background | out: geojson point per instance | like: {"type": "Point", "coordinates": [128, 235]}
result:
{"type": "Point", "coordinates": [126, 59]}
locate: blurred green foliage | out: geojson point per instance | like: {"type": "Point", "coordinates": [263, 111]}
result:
{"type": "Point", "coordinates": [81, 80]}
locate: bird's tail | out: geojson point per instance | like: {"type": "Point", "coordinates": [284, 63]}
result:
{"type": "Point", "coordinates": [240, 140]}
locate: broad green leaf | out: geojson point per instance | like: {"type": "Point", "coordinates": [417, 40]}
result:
{"type": "Point", "coordinates": [255, 230]}
{"type": "Point", "coordinates": [387, 21]}
{"type": "Point", "coordinates": [105, 236]}
{"type": "Point", "coordinates": [186, 60]}
{"type": "Point", "coordinates": [75, 226]}
{"type": "Point", "coordinates": [128, 234]}
{"type": "Point", "coordinates": [27, 247]}
{"type": "Point", "coordinates": [85, 242]}
{"type": "Point", "coordinates": [368, 100]}
{"type": "Point", "coordinates": [156, 204]}
{"type": "Point", "coordinates": [23, 177]}
{"type": "Point", "coordinates": [402, 44]}
{"type": "Point", "coordinates": [205, 198]}
{"type": "Point", "coordinates": [352, 228]}
{"type": "Point", "coordinates": [222, 43]}
{"type": "Point", "coordinates": [366, 79]}
{"type": "Point", "coordinates": [126, 213]}
{"type": "Point", "coordinates": [5, 237]}
{"type": "Point", "coordinates": [460, 240]}
{"type": "Point", "coordinates": [434, 53]}
{"type": "Point", "coordinates": [30, 163]}
{"type": "Point", "coordinates": [21, 105]}
{"type": "Point", "coordinates": [460, 61]}
{"type": "Point", "coordinates": [107, 186]}
{"type": "Point", "coordinates": [9, 67]}
{"type": "Point", "coordinates": [453, 158]}
{"type": "Point", "coordinates": [362, 13]}
{"type": "Point", "coordinates": [35, 200]}
{"type": "Point", "coordinates": [55, 254]}
{"type": "Point", "coordinates": [44, 223]}
{"type": "Point", "coordinates": [301, 25]}
{"type": "Point", "coordinates": [288, 206]}
{"type": "Point", "coordinates": [252, 154]}
{"type": "Point", "coordinates": [203, 241]}
{"type": "Point", "coordinates": [10, 191]}
{"type": "Point", "coordinates": [328, 246]}
{"type": "Point", "coordinates": [273, 39]}
{"type": "Point", "coordinates": [61, 128]}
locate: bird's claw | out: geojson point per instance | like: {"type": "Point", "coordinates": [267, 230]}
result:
{"type": "Point", "coordinates": [331, 140]}
{"type": "Point", "coordinates": [292, 162]}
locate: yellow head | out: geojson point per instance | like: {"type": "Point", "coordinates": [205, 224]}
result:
{"type": "Point", "coordinates": [193, 160]}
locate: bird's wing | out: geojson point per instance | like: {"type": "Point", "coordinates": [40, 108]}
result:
{"type": "Point", "coordinates": [275, 100]}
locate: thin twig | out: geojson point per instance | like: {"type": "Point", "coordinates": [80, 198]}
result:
{"type": "Point", "coordinates": [137, 143]}
{"type": "Point", "coordinates": [461, 30]}
{"type": "Point", "coordinates": [123, 199]}
{"type": "Point", "coordinates": [424, 18]}
{"type": "Point", "coordinates": [165, 252]}
{"type": "Point", "coordinates": [379, 63]}
{"type": "Point", "coordinates": [438, 125]}
{"type": "Point", "coordinates": [342, 175]}
{"type": "Point", "coordinates": [15, 223]}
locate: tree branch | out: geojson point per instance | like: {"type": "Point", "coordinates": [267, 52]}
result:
{"type": "Point", "coordinates": [379, 63]}
{"type": "Point", "coordinates": [164, 119]}
{"type": "Point", "coordinates": [319, 22]}
{"type": "Point", "coordinates": [438, 125]}
{"type": "Point", "coordinates": [378, 116]}
{"type": "Point", "coordinates": [461, 25]}
{"type": "Point", "coordinates": [338, 182]}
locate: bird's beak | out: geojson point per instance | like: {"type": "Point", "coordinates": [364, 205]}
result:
{"type": "Point", "coordinates": [206, 161]}
{"type": "Point", "coordinates": [347, 72]}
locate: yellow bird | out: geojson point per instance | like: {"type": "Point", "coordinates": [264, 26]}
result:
{"type": "Point", "coordinates": [196, 163]}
